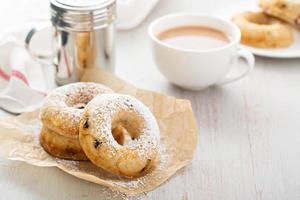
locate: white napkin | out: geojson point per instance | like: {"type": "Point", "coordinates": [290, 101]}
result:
{"type": "Point", "coordinates": [22, 86]}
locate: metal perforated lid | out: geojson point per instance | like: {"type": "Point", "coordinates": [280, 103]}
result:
{"type": "Point", "coordinates": [82, 15]}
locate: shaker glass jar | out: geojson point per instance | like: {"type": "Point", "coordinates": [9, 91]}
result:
{"type": "Point", "coordinates": [83, 37]}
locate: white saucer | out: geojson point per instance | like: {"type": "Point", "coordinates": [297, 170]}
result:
{"type": "Point", "coordinates": [292, 51]}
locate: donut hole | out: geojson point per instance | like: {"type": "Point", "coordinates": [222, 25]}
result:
{"type": "Point", "coordinates": [79, 105]}
{"type": "Point", "coordinates": [78, 100]}
{"type": "Point", "coordinates": [122, 136]}
{"type": "Point", "coordinates": [126, 127]}
{"type": "Point", "coordinates": [120, 133]}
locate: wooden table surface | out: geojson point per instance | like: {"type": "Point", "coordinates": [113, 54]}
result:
{"type": "Point", "coordinates": [249, 137]}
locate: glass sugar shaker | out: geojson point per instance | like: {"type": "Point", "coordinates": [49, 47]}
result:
{"type": "Point", "coordinates": [82, 37]}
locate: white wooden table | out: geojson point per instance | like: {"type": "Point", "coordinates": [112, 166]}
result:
{"type": "Point", "coordinates": [249, 144]}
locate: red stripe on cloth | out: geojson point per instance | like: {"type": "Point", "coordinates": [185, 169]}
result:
{"type": "Point", "coordinates": [20, 75]}
{"type": "Point", "coordinates": [4, 75]}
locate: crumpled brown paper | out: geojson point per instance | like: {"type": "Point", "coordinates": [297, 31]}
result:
{"type": "Point", "coordinates": [19, 139]}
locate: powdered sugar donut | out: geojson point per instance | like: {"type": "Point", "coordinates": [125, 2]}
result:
{"type": "Point", "coordinates": [63, 107]}
{"type": "Point", "coordinates": [119, 134]}
{"type": "Point", "coordinates": [60, 146]}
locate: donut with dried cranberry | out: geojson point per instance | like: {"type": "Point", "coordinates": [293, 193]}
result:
{"type": "Point", "coordinates": [262, 31]}
{"type": "Point", "coordinates": [63, 106]}
{"type": "Point", "coordinates": [286, 10]}
{"type": "Point", "coordinates": [119, 134]}
{"type": "Point", "coordinates": [60, 146]}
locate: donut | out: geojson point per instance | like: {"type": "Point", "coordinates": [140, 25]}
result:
{"type": "Point", "coordinates": [262, 31]}
{"type": "Point", "coordinates": [60, 146]}
{"type": "Point", "coordinates": [63, 107]}
{"type": "Point", "coordinates": [286, 10]}
{"type": "Point", "coordinates": [119, 134]}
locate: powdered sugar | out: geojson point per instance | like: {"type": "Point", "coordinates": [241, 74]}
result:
{"type": "Point", "coordinates": [108, 109]}
{"type": "Point", "coordinates": [118, 182]}
{"type": "Point", "coordinates": [75, 94]}
{"type": "Point", "coordinates": [65, 104]}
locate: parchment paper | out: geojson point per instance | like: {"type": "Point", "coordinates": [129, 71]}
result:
{"type": "Point", "coordinates": [19, 139]}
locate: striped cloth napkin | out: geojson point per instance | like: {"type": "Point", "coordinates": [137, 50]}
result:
{"type": "Point", "coordinates": [22, 85]}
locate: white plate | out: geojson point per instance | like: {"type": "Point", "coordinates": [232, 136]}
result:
{"type": "Point", "coordinates": [292, 51]}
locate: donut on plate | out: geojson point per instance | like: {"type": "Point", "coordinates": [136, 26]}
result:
{"type": "Point", "coordinates": [119, 134]}
{"type": "Point", "coordinates": [262, 31]}
{"type": "Point", "coordinates": [286, 10]}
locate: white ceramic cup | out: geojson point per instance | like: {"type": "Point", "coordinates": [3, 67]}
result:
{"type": "Point", "coordinates": [197, 69]}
